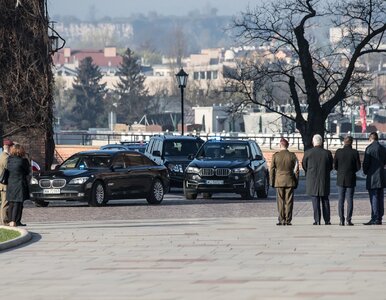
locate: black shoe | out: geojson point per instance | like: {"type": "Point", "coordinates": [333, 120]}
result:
{"type": "Point", "coordinates": [341, 223]}
{"type": "Point", "coordinates": [288, 224]}
{"type": "Point", "coordinates": [371, 222]}
{"type": "Point", "coordinates": [328, 223]}
{"type": "Point", "coordinates": [378, 223]}
{"type": "Point", "coordinates": [349, 223]}
{"type": "Point", "coordinates": [316, 223]}
{"type": "Point", "coordinates": [20, 224]}
{"type": "Point", "coordinates": [279, 224]}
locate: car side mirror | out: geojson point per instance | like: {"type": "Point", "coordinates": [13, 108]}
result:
{"type": "Point", "coordinates": [258, 157]}
{"type": "Point", "coordinates": [156, 153]}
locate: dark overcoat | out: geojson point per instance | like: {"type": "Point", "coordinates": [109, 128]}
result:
{"type": "Point", "coordinates": [19, 169]}
{"type": "Point", "coordinates": [373, 165]}
{"type": "Point", "coordinates": [317, 164]}
{"type": "Point", "coordinates": [346, 163]}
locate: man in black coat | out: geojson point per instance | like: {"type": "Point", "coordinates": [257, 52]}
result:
{"type": "Point", "coordinates": [373, 166]}
{"type": "Point", "coordinates": [317, 163]}
{"type": "Point", "coordinates": [346, 163]}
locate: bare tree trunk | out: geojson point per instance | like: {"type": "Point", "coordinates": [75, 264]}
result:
{"type": "Point", "coordinates": [26, 78]}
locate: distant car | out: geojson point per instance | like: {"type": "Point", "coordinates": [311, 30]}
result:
{"type": "Point", "coordinates": [98, 176]}
{"type": "Point", "coordinates": [227, 166]}
{"type": "Point", "coordinates": [140, 147]}
{"type": "Point", "coordinates": [175, 152]}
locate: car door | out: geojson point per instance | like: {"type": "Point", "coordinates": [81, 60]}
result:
{"type": "Point", "coordinates": [118, 183]}
{"type": "Point", "coordinates": [139, 173]}
{"type": "Point", "coordinates": [258, 165]}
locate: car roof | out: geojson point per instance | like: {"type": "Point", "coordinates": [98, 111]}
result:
{"type": "Point", "coordinates": [106, 152]}
{"type": "Point", "coordinates": [177, 137]}
{"type": "Point", "coordinates": [229, 141]}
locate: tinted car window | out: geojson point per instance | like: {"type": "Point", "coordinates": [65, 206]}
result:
{"type": "Point", "coordinates": [223, 150]}
{"type": "Point", "coordinates": [135, 160]}
{"type": "Point", "coordinates": [87, 162]}
{"type": "Point", "coordinates": [180, 148]}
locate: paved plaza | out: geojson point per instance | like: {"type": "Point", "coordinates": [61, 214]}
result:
{"type": "Point", "coordinates": [215, 258]}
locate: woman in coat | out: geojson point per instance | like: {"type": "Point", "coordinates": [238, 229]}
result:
{"type": "Point", "coordinates": [17, 189]}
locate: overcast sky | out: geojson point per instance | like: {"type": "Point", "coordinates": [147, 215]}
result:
{"type": "Point", "coordinates": [124, 8]}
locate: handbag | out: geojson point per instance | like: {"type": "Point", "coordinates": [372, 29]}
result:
{"type": "Point", "coordinates": [4, 176]}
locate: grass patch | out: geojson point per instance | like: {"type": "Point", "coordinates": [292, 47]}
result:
{"type": "Point", "coordinates": [6, 234]}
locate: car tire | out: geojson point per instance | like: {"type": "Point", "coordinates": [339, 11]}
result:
{"type": "Point", "coordinates": [156, 194]}
{"type": "Point", "coordinates": [41, 203]}
{"type": "Point", "coordinates": [250, 191]}
{"type": "Point", "coordinates": [189, 195]}
{"type": "Point", "coordinates": [263, 193]}
{"type": "Point", "coordinates": [207, 195]}
{"type": "Point", "coordinates": [98, 195]}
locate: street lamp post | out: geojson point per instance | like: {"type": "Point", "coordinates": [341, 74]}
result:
{"type": "Point", "coordinates": [182, 78]}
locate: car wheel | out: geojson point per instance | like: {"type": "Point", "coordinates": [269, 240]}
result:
{"type": "Point", "coordinates": [207, 195]}
{"type": "Point", "coordinates": [41, 203]}
{"type": "Point", "coordinates": [263, 193]}
{"type": "Point", "coordinates": [249, 193]}
{"type": "Point", "coordinates": [98, 195]}
{"type": "Point", "coordinates": [156, 194]}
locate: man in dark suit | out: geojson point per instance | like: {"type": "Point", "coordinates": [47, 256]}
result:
{"type": "Point", "coordinates": [346, 163]}
{"type": "Point", "coordinates": [284, 174]}
{"type": "Point", "coordinates": [317, 163]}
{"type": "Point", "coordinates": [373, 166]}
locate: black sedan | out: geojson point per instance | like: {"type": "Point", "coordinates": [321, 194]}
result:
{"type": "Point", "coordinates": [99, 176]}
{"type": "Point", "coordinates": [227, 166]}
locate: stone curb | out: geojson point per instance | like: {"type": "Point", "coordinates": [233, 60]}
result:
{"type": "Point", "coordinates": [24, 237]}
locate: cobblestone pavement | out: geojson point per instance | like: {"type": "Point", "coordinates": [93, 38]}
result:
{"type": "Point", "coordinates": [176, 206]}
{"type": "Point", "coordinates": [205, 258]}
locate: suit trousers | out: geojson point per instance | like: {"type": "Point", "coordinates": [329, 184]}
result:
{"type": "Point", "coordinates": [285, 203]}
{"type": "Point", "coordinates": [4, 208]}
{"type": "Point", "coordinates": [377, 205]}
{"type": "Point", "coordinates": [325, 208]}
{"type": "Point", "coordinates": [15, 210]}
{"type": "Point", "coordinates": [343, 192]}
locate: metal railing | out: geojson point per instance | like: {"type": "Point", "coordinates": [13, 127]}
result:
{"type": "Point", "coordinates": [267, 141]}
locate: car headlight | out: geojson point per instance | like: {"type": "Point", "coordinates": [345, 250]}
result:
{"type": "Point", "coordinates": [175, 168]}
{"type": "Point", "coordinates": [193, 170]}
{"type": "Point", "coordinates": [34, 181]}
{"type": "Point", "coordinates": [243, 170]}
{"type": "Point", "coordinates": [79, 180]}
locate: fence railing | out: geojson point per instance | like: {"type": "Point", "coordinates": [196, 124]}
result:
{"type": "Point", "coordinates": [270, 141]}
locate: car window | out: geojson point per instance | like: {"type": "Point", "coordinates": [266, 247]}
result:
{"type": "Point", "coordinates": [134, 160]}
{"type": "Point", "coordinates": [70, 163]}
{"type": "Point", "coordinates": [87, 162]}
{"type": "Point", "coordinates": [181, 148]}
{"type": "Point", "coordinates": [119, 161]}
{"type": "Point", "coordinates": [226, 151]}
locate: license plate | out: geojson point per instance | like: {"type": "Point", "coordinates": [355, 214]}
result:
{"type": "Point", "coordinates": [215, 182]}
{"type": "Point", "coordinates": [51, 191]}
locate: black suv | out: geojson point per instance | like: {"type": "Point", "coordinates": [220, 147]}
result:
{"type": "Point", "coordinates": [175, 152]}
{"type": "Point", "coordinates": [227, 166]}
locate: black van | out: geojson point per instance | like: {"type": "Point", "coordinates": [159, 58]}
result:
{"type": "Point", "coordinates": [175, 152]}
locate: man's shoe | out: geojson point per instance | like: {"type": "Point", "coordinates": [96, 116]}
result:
{"type": "Point", "coordinates": [20, 224]}
{"type": "Point", "coordinates": [328, 223]}
{"type": "Point", "coordinates": [316, 223]}
{"type": "Point", "coordinates": [349, 223]}
{"type": "Point", "coordinates": [288, 224]}
{"type": "Point", "coordinates": [378, 223]}
{"type": "Point", "coordinates": [341, 223]}
{"type": "Point", "coordinates": [279, 224]}
{"type": "Point", "coordinates": [371, 222]}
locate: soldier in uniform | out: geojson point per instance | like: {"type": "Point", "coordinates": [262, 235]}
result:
{"type": "Point", "coordinates": [284, 176]}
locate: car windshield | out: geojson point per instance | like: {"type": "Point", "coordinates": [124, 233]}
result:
{"type": "Point", "coordinates": [231, 151]}
{"type": "Point", "coordinates": [87, 162]}
{"type": "Point", "coordinates": [181, 148]}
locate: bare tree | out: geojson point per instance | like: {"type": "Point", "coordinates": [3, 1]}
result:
{"type": "Point", "coordinates": [320, 75]}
